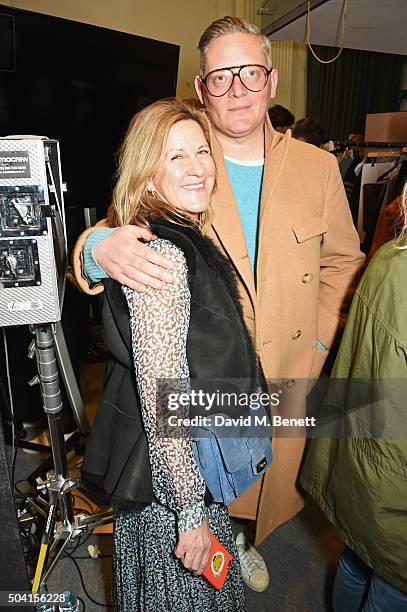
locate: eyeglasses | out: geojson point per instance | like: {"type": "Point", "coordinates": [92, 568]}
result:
{"type": "Point", "coordinates": [253, 76]}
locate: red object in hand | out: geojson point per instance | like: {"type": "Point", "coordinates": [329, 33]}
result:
{"type": "Point", "coordinates": [217, 569]}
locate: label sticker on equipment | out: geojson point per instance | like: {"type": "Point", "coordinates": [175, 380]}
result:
{"type": "Point", "coordinates": [14, 164]}
{"type": "Point", "coordinates": [28, 305]}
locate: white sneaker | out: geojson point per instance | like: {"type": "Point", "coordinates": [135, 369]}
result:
{"type": "Point", "coordinates": [254, 569]}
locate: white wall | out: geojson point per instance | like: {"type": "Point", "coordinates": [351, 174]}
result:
{"type": "Point", "coordinates": [291, 61]}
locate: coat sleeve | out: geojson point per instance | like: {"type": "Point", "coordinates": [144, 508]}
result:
{"type": "Point", "coordinates": [77, 261]}
{"type": "Point", "coordinates": [340, 262]}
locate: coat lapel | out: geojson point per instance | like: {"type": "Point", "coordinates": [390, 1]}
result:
{"type": "Point", "coordinates": [226, 221]}
{"type": "Point", "coordinates": [276, 148]}
{"type": "Point", "coordinates": [227, 224]}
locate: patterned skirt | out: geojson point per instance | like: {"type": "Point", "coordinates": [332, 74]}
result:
{"type": "Point", "coordinates": [149, 578]}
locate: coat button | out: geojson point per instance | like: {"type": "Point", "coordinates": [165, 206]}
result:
{"type": "Point", "coordinates": [307, 278]}
{"type": "Point", "coordinates": [296, 334]}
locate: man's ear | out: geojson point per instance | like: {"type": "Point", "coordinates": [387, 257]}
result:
{"type": "Point", "coordinates": [273, 78]}
{"type": "Point", "coordinates": [199, 89]}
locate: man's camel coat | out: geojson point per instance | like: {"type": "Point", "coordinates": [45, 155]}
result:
{"type": "Point", "coordinates": [308, 259]}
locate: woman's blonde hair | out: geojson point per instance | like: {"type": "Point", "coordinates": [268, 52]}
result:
{"type": "Point", "coordinates": [139, 158]}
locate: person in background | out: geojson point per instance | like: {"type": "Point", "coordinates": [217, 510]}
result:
{"type": "Point", "coordinates": [281, 118]}
{"type": "Point", "coordinates": [360, 481]}
{"type": "Point", "coordinates": [281, 217]}
{"type": "Point", "coordinates": [309, 130]}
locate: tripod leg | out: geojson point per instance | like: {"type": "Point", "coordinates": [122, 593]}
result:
{"type": "Point", "coordinates": [54, 560]}
{"type": "Point", "coordinates": [49, 528]}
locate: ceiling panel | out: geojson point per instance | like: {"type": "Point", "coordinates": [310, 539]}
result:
{"type": "Point", "coordinates": [372, 25]}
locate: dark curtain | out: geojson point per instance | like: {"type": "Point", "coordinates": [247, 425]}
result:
{"type": "Point", "coordinates": [341, 94]}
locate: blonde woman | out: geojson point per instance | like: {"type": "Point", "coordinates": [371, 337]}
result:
{"type": "Point", "coordinates": [190, 328]}
{"type": "Point", "coordinates": [360, 481]}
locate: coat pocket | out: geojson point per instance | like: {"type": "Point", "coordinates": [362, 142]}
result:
{"type": "Point", "coordinates": [309, 228]}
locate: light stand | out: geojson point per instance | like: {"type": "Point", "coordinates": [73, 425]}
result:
{"type": "Point", "coordinates": [33, 256]}
{"type": "Point", "coordinates": [58, 484]}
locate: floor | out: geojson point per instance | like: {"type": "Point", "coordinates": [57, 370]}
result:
{"type": "Point", "coordinates": [301, 555]}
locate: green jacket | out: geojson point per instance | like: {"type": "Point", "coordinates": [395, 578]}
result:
{"type": "Point", "coordinates": [360, 482]}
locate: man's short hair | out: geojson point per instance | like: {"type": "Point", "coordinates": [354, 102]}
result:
{"type": "Point", "coordinates": [231, 25]}
{"type": "Point", "coordinates": [280, 116]}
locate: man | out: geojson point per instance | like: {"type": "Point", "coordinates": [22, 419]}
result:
{"type": "Point", "coordinates": [282, 218]}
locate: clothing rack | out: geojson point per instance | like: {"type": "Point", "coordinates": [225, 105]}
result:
{"type": "Point", "coordinates": [367, 144]}
{"type": "Point", "coordinates": [372, 173]}
{"type": "Point", "coordinates": [384, 153]}
{"type": "Point", "coordinates": [371, 149]}
{"type": "Point", "coordinates": [380, 176]}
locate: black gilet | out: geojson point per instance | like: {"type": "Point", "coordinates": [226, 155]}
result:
{"type": "Point", "coordinates": [218, 346]}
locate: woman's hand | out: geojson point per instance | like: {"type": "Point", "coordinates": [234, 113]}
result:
{"type": "Point", "coordinates": [126, 259]}
{"type": "Point", "coordinates": [194, 547]}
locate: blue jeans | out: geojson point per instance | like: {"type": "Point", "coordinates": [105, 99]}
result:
{"type": "Point", "coordinates": [358, 588]}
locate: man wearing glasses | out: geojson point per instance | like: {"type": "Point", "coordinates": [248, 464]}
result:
{"type": "Point", "coordinates": [282, 218]}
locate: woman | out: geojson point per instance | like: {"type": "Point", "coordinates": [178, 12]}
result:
{"type": "Point", "coordinates": [360, 481]}
{"type": "Point", "coordinates": [163, 514]}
